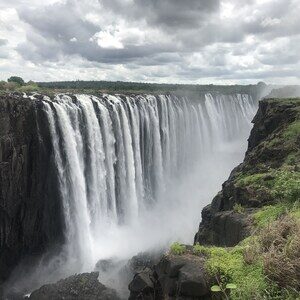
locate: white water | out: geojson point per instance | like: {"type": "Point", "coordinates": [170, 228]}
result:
{"type": "Point", "coordinates": [136, 171]}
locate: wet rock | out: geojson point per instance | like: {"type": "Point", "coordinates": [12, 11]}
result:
{"type": "Point", "coordinates": [106, 265]}
{"type": "Point", "coordinates": [225, 228]}
{"type": "Point", "coordinates": [83, 286]}
{"type": "Point", "coordinates": [142, 283]}
{"type": "Point", "coordinates": [174, 277]}
{"type": "Point", "coordinates": [144, 260]}
{"type": "Point", "coordinates": [30, 207]}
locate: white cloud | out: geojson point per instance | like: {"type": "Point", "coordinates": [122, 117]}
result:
{"type": "Point", "coordinates": [106, 39]}
{"type": "Point", "coordinates": [219, 41]}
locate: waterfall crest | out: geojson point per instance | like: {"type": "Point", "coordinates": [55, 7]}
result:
{"type": "Point", "coordinates": [123, 160]}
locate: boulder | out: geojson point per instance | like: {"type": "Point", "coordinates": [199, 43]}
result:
{"type": "Point", "coordinates": [174, 277]}
{"type": "Point", "coordinates": [83, 286]}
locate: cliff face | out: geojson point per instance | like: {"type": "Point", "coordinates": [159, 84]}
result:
{"type": "Point", "coordinates": [256, 216]}
{"type": "Point", "coordinates": [28, 193]}
{"type": "Point", "coordinates": [269, 151]}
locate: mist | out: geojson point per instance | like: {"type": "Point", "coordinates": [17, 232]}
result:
{"type": "Point", "coordinates": [136, 176]}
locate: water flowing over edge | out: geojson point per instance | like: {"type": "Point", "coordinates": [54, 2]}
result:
{"type": "Point", "coordinates": [123, 160]}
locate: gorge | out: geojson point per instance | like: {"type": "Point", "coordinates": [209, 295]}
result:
{"type": "Point", "coordinates": [87, 177]}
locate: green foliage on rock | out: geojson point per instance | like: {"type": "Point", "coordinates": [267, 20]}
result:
{"type": "Point", "coordinates": [286, 185]}
{"type": "Point", "coordinates": [238, 208]}
{"type": "Point", "coordinates": [268, 214]}
{"type": "Point", "coordinates": [228, 265]}
{"type": "Point", "coordinates": [292, 131]}
{"type": "Point", "coordinates": [266, 264]}
{"type": "Point", "coordinates": [177, 248]}
{"type": "Point", "coordinates": [199, 249]}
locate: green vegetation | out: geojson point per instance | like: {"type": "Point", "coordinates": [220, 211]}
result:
{"type": "Point", "coordinates": [268, 214]}
{"type": "Point", "coordinates": [286, 186]}
{"type": "Point", "coordinates": [266, 264]}
{"type": "Point", "coordinates": [256, 267]}
{"type": "Point", "coordinates": [238, 208]}
{"type": "Point", "coordinates": [281, 185]}
{"type": "Point", "coordinates": [141, 87]}
{"type": "Point", "coordinates": [292, 131]}
{"type": "Point", "coordinates": [199, 249]}
{"type": "Point", "coordinates": [177, 248]}
{"type": "Point", "coordinates": [228, 265]}
{"type": "Point", "coordinates": [17, 84]}
{"type": "Point", "coordinates": [16, 79]}
{"type": "Point", "coordinates": [224, 289]}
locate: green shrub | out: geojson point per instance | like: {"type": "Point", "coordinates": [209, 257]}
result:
{"type": "Point", "coordinates": [228, 266]}
{"type": "Point", "coordinates": [287, 185]}
{"type": "Point", "coordinates": [29, 88]}
{"type": "Point", "coordinates": [254, 179]}
{"type": "Point", "coordinates": [238, 208]}
{"type": "Point", "coordinates": [177, 248]}
{"type": "Point", "coordinates": [199, 249]}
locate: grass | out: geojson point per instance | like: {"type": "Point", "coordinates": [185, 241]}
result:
{"type": "Point", "coordinates": [282, 184]}
{"type": "Point", "coordinates": [263, 266]}
{"type": "Point", "coordinates": [268, 214]}
{"type": "Point", "coordinates": [292, 131]}
{"type": "Point", "coordinates": [228, 266]}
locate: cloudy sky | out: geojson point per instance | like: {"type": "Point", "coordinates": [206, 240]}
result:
{"type": "Point", "coordinates": [190, 41]}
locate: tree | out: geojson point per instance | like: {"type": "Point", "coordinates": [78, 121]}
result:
{"type": "Point", "coordinates": [16, 79]}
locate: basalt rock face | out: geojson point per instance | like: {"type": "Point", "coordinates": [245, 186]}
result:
{"type": "Point", "coordinates": [28, 191]}
{"type": "Point", "coordinates": [173, 277]}
{"type": "Point", "coordinates": [221, 224]}
{"type": "Point", "coordinates": [83, 286]}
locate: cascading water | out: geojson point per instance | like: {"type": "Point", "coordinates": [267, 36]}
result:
{"type": "Point", "coordinates": [135, 171]}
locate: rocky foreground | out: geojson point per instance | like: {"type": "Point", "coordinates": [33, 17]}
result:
{"type": "Point", "coordinates": [248, 242]}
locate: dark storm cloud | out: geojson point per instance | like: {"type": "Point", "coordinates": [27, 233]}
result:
{"type": "Point", "coordinates": [172, 14]}
{"type": "Point", "coordinates": [59, 21]}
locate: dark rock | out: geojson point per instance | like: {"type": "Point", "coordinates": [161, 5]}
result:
{"type": "Point", "coordinates": [174, 277]}
{"type": "Point", "coordinates": [30, 207]}
{"type": "Point", "coordinates": [142, 282]}
{"type": "Point", "coordinates": [105, 265]}
{"type": "Point", "coordinates": [191, 280]}
{"type": "Point", "coordinates": [225, 228]}
{"type": "Point", "coordinates": [82, 286]}
{"type": "Point", "coordinates": [144, 259]}
{"type": "Point", "coordinates": [222, 226]}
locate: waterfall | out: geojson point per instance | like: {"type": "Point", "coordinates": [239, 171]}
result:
{"type": "Point", "coordinates": [131, 168]}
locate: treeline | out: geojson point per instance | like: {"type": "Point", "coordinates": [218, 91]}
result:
{"type": "Point", "coordinates": [121, 86]}
{"type": "Point", "coordinates": [16, 83]}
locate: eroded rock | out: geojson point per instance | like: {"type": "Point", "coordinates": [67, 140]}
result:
{"type": "Point", "coordinates": [83, 286]}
